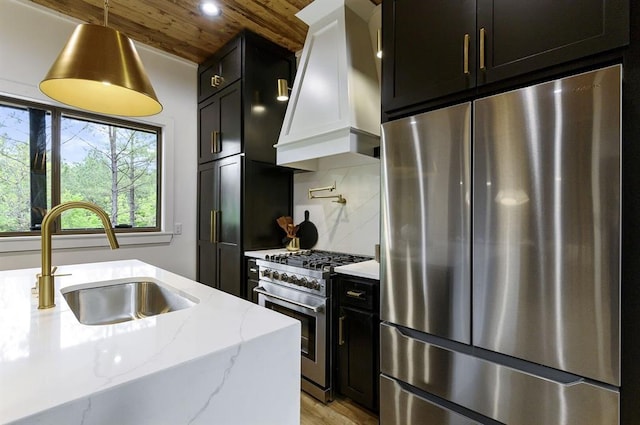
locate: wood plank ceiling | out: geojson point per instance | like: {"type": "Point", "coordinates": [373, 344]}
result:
{"type": "Point", "coordinates": [178, 27]}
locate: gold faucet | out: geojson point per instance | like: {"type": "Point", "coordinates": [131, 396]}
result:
{"type": "Point", "coordinates": [45, 278]}
{"type": "Point", "coordinates": [340, 200]}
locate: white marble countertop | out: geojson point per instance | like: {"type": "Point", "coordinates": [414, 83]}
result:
{"type": "Point", "coordinates": [261, 253]}
{"type": "Point", "coordinates": [368, 269]}
{"type": "Point", "coordinates": [47, 358]}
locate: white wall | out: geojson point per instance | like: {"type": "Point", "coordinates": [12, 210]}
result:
{"type": "Point", "coordinates": [353, 227]}
{"type": "Point", "coordinates": [30, 39]}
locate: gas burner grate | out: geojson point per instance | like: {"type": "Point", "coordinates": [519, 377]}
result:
{"type": "Point", "coordinates": [317, 260]}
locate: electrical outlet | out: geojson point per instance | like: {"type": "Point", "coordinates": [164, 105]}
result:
{"type": "Point", "coordinates": [177, 229]}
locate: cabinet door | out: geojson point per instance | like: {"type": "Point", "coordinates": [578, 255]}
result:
{"type": "Point", "coordinates": [222, 70]}
{"type": "Point", "coordinates": [357, 360]}
{"type": "Point", "coordinates": [522, 36]}
{"type": "Point", "coordinates": [251, 295]}
{"type": "Point", "coordinates": [229, 140]}
{"type": "Point", "coordinates": [424, 50]}
{"type": "Point", "coordinates": [253, 280]}
{"type": "Point", "coordinates": [229, 191]}
{"type": "Point", "coordinates": [206, 262]}
{"type": "Point", "coordinates": [227, 232]}
{"type": "Point", "coordinates": [219, 248]}
{"type": "Point", "coordinates": [209, 123]}
{"type": "Point", "coordinates": [221, 125]}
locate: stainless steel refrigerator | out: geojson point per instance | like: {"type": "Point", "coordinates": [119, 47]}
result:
{"type": "Point", "coordinates": [500, 258]}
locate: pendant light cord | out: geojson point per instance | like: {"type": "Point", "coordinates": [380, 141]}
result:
{"type": "Point", "coordinates": [106, 12]}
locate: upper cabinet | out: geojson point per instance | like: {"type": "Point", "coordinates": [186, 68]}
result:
{"type": "Point", "coordinates": [221, 124]}
{"type": "Point", "coordinates": [442, 47]}
{"type": "Point", "coordinates": [515, 37]}
{"type": "Point", "coordinates": [424, 50]}
{"type": "Point", "coordinates": [237, 90]}
{"type": "Point", "coordinates": [220, 70]}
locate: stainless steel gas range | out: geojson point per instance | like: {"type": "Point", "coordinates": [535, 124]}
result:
{"type": "Point", "coordinates": [299, 284]}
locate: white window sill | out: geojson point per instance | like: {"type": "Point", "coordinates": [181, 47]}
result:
{"type": "Point", "coordinates": [33, 243]}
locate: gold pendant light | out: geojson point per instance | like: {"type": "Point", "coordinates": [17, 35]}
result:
{"type": "Point", "coordinates": [99, 70]}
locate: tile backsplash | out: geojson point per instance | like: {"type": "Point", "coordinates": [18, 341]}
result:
{"type": "Point", "coordinates": [353, 227]}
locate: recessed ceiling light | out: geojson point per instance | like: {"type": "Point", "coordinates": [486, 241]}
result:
{"type": "Point", "coordinates": [210, 8]}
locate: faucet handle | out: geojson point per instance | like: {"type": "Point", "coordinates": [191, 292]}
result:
{"type": "Point", "coordinates": [34, 290]}
{"type": "Point", "coordinates": [53, 272]}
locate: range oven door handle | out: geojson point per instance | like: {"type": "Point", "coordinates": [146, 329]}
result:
{"type": "Point", "coordinates": [315, 309]}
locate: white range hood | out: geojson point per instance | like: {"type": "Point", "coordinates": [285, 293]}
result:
{"type": "Point", "coordinates": [333, 115]}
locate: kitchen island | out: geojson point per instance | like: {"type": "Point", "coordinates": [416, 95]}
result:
{"type": "Point", "coordinates": [201, 365]}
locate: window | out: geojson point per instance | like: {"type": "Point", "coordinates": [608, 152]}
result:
{"type": "Point", "coordinates": [51, 155]}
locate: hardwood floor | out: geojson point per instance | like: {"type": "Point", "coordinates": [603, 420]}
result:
{"type": "Point", "coordinates": [340, 411]}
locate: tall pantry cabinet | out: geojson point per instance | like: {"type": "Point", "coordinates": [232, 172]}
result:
{"type": "Point", "coordinates": [241, 192]}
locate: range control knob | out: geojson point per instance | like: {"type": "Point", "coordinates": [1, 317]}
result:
{"type": "Point", "coordinates": [314, 284]}
{"type": "Point", "coordinates": [275, 275]}
{"type": "Point", "coordinates": [284, 277]}
{"type": "Point", "coordinates": [265, 272]}
{"type": "Point", "coordinates": [304, 282]}
{"type": "Point", "coordinates": [293, 279]}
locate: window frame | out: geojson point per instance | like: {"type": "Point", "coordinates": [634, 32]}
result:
{"type": "Point", "coordinates": [57, 114]}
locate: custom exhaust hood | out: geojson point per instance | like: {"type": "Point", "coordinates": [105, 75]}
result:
{"type": "Point", "coordinates": [333, 115]}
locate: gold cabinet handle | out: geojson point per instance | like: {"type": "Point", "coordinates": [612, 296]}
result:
{"type": "Point", "coordinates": [216, 142]}
{"type": "Point", "coordinates": [340, 330]}
{"type": "Point", "coordinates": [212, 225]}
{"type": "Point", "coordinates": [216, 80]}
{"type": "Point", "coordinates": [482, 36]}
{"type": "Point", "coordinates": [216, 220]}
{"type": "Point", "coordinates": [355, 294]}
{"type": "Point", "coordinates": [466, 54]}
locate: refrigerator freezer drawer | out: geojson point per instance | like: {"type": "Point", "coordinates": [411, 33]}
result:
{"type": "Point", "coordinates": [409, 408]}
{"type": "Point", "coordinates": [505, 394]}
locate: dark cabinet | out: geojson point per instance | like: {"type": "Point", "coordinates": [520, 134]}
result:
{"type": "Point", "coordinates": [253, 279]}
{"type": "Point", "coordinates": [358, 340]}
{"type": "Point", "coordinates": [221, 70]}
{"type": "Point", "coordinates": [240, 200]}
{"type": "Point", "coordinates": [219, 247]}
{"type": "Point", "coordinates": [441, 47]}
{"type": "Point", "coordinates": [241, 190]}
{"type": "Point", "coordinates": [523, 36]}
{"type": "Point", "coordinates": [206, 211]}
{"type": "Point", "coordinates": [221, 125]}
{"type": "Point", "coordinates": [423, 45]}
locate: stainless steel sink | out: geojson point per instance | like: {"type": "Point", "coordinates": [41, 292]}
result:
{"type": "Point", "coordinates": [120, 302]}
